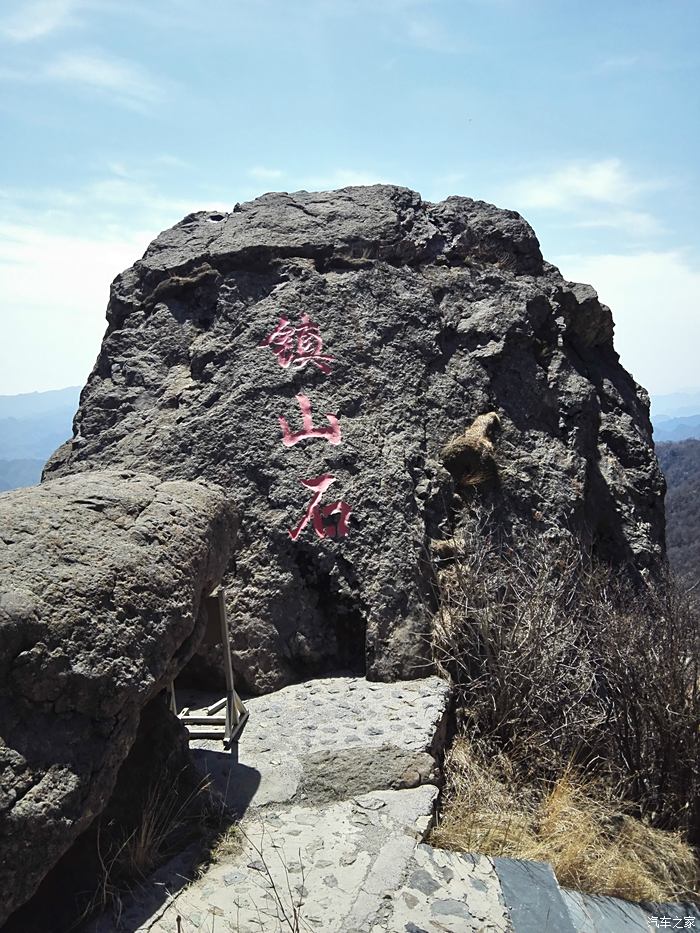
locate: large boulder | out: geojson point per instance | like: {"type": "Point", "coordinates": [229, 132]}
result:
{"type": "Point", "coordinates": [102, 578]}
{"type": "Point", "coordinates": [386, 325]}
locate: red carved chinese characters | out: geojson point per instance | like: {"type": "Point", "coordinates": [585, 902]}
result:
{"type": "Point", "coordinates": [331, 434]}
{"type": "Point", "coordinates": [298, 345]}
{"type": "Point", "coordinates": [319, 516]}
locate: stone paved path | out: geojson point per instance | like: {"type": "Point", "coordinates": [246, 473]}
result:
{"type": "Point", "coordinates": [336, 788]}
{"type": "Point", "coordinates": [336, 785]}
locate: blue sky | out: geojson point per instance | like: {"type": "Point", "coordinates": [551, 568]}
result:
{"type": "Point", "coordinates": [119, 117]}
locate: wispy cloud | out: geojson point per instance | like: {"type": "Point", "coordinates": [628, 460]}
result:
{"type": "Point", "coordinates": [37, 19]}
{"type": "Point", "coordinates": [265, 174]}
{"type": "Point", "coordinates": [53, 335]}
{"type": "Point", "coordinates": [602, 193]}
{"type": "Point", "coordinates": [342, 178]}
{"type": "Point", "coordinates": [126, 81]}
{"type": "Point", "coordinates": [635, 223]}
{"type": "Point", "coordinates": [121, 81]}
{"type": "Point", "coordinates": [606, 182]}
{"type": "Point", "coordinates": [617, 63]}
{"type": "Point", "coordinates": [431, 34]}
{"type": "Point", "coordinates": [120, 197]}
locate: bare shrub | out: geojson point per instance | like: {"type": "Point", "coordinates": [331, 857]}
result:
{"type": "Point", "coordinates": [559, 663]}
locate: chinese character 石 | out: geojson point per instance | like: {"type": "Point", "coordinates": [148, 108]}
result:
{"type": "Point", "coordinates": [331, 434]}
{"type": "Point", "coordinates": [321, 517]}
{"type": "Point", "coordinates": [296, 345]}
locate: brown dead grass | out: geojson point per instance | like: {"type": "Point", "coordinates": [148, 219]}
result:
{"type": "Point", "coordinates": [592, 845]}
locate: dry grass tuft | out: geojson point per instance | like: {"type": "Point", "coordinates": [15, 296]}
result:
{"type": "Point", "coordinates": [169, 820]}
{"type": "Point", "coordinates": [174, 813]}
{"type": "Point", "coordinates": [227, 844]}
{"type": "Point", "coordinates": [574, 824]}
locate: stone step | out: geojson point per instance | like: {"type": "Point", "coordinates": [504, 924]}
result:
{"type": "Point", "coordinates": [449, 892]}
{"type": "Point", "coordinates": [337, 866]}
{"type": "Point", "coordinates": [329, 739]}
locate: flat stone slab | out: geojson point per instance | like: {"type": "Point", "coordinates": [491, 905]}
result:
{"type": "Point", "coordinates": [596, 914]}
{"type": "Point", "coordinates": [337, 866]}
{"type": "Point", "coordinates": [335, 783]}
{"type": "Point", "coordinates": [329, 739]}
{"type": "Point", "coordinates": [533, 896]}
{"type": "Point", "coordinates": [451, 893]}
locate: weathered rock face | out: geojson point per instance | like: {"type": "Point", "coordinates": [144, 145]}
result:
{"type": "Point", "coordinates": [101, 580]}
{"type": "Point", "coordinates": [431, 315]}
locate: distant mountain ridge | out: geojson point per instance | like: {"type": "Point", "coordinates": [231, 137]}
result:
{"type": "Point", "coordinates": [32, 426]}
{"type": "Point", "coordinates": [31, 404]}
{"type": "Point", "coordinates": [676, 417]}
{"type": "Point", "coordinates": [676, 404]}
{"type": "Point", "coordinates": [676, 429]}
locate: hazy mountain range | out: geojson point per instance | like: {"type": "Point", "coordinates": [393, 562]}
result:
{"type": "Point", "coordinates": [676, 416]}
{"type": "Point", "coordinates": [33, 425]}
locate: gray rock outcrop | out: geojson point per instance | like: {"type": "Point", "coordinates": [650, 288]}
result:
{"type": "Point", "coordinates": [101, 582]}
{"type": "Point", "coordinates": [406, 321]}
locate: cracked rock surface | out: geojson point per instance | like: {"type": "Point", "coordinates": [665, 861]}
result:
{"type": "Point", "coordinates": [101, 581]}
{"type": "Point", "coordinates": [432, 314]}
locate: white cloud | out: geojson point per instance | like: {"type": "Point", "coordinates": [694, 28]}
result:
{"type": "Point", "coordinates": [634, 223]}
{"type": "Point", "coordinates": [655, 300]}
{"type": "Point", "coordinates": [117, 202]}
{"type": "Point", "coordinates": [38, 19]}
{"type": "Point", "coordinates": [55, 284]}
{"type": "Point", "coordinates": [55, 290]}
{"type": "Point", "coordinates": [600, 193]}
{"type": "Point", "coordinates": [171, 161]}
{"type": "Point", "coordinates": [126, 81]}
{"type": "Point", "coordinates": [342, 178]}
{"type": "Point", "coordinates": [604, 182]}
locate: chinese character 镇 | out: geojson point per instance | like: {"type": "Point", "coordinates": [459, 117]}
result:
{"type": "Point", "coordinates": [330, 434]}
{"type": "Point", "coordinates": [321, 517]}
{"type": "Point", "coordinates": [296, 345]}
